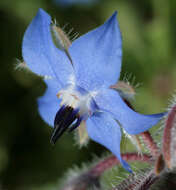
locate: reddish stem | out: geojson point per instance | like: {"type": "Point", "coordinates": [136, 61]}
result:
{"type": "Point", "coordinates": [169, 136]}
{"type": "Point", "coordinates": [152, 146]}
{"type": "Point", "coordinates": [111, 161]}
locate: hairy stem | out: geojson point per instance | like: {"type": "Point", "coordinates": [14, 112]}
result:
{"type": "Point", "coordinates": [150, 143]}
{"type": "Point", "coordinates": [169, 139]}
{"type": "Point", "coordinates": [111, 161]}
{"type": "Point", "coordinates": [140, 181]}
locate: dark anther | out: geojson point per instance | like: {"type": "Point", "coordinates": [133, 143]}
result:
{"type": "Point", "coordinates": [63, 119]}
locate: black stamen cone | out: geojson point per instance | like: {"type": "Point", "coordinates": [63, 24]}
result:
{"type": "Point", "coordinates": [63, 119]}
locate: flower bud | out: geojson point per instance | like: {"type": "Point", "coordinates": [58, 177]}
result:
{"type": "Point", "coordinates": [125, 90]}
{"type": "Point", "coordinates": [61, 40]}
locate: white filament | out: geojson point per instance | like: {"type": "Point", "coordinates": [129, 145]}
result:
{"type": "Point", "coordinates": [71, 97]}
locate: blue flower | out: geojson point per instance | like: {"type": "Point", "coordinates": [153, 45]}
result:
{"type": "Point", "coordinates": [80, 93]}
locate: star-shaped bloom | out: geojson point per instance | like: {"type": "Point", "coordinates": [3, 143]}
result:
{"type": "Point", "coordinates": [79, 93]}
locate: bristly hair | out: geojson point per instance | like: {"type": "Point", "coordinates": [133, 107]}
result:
{"type": "Point", "coordinates": [130, 79]}
{"type": "Point", "coordinates": [71, 35]}
{"type": "Point", "coordinates": [74, 175]}
{"type": "Point", "coordinates": [138, 181]}
{"type": "Point", "coordinates": [22, 66]}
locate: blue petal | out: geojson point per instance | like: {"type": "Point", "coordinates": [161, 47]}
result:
{"type": "Point", "coordinates": [102, 128]}
{"type": "Point", "coordinates": [40, 53]}
{"type": "Point", "coordinates": [49, 104]}
{"type": "Point", "coordinates": [97, 56]}
{"type": "Point", "coordinates": [133, 122]}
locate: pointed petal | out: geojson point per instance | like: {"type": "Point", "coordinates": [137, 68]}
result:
{"type": "Point", "coordinates": [97, 56]}
{"type": "Point", "coordinates": [40, 53]}
{"type": "Point", "coordinates": [102, 128]}
{"type": "Point", "coordinates": [49, 104]}
{"type": "Point", "coordinates": [133, 122]}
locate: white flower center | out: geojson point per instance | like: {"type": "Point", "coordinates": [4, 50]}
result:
{"type": "Point", "coordinates": [77, 100]}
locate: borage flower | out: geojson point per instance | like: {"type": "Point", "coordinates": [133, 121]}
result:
{"type": "Point", "coordinates": [80, 93]}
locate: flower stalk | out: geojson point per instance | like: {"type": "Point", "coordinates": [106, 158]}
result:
{"type": "Point", "coordinates": [111, 161]}
{"type": "Point", "coordinates": [91, 177]}
{"type": "Point", "coordinates": [150, 143]}
{"type": "Point", "coordinates": [169, 139]}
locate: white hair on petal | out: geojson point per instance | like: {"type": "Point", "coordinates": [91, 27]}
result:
{"type": "Point", "coordinates": [21, 65]}
{"type": "Point", "coordinates": [72, 80]}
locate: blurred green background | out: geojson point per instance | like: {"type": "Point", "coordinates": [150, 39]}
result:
{"type": "Point", "coordinates": [27, 159]}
